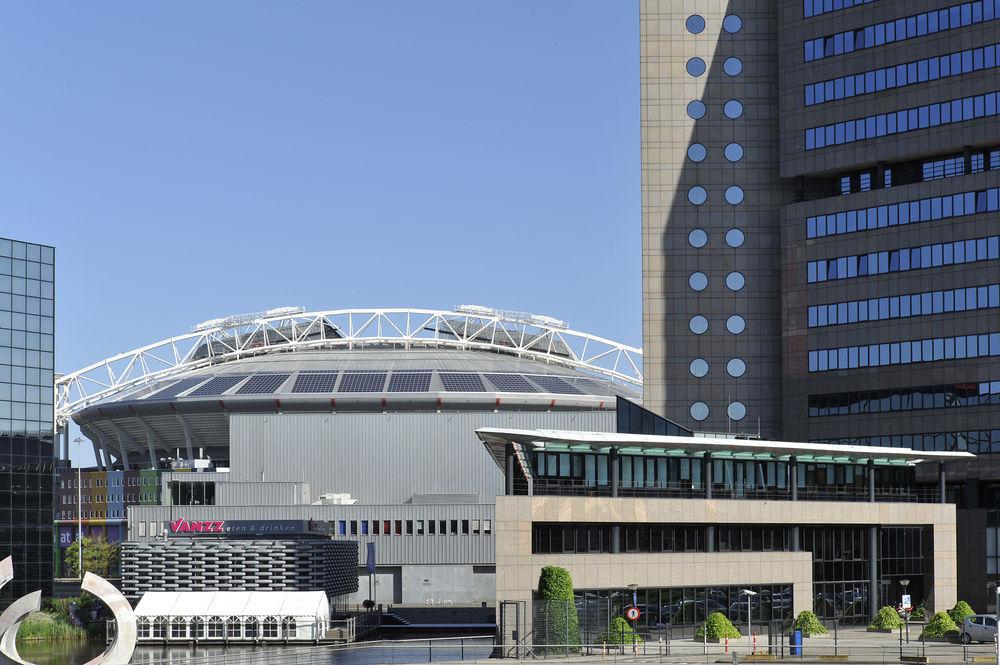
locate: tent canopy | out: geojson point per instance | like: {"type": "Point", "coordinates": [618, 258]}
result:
{"type": "Point", "coordinates": [234, 603]}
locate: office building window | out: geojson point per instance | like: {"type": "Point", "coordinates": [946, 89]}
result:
{"type": "Point", "coordinates": [905, 306]}
{"type": "Point", "coordinates": [905, 353]}
{"type": "Point", "coordinates": [903, 260]}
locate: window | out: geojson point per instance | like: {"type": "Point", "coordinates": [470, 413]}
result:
{"type": "Point", "coordinates": [234, 627]}
{"type": "Point", "coordinates": [475, 526]}
{"type": "Point", "coordinates": [215, 628]}
{"type": "Point", "coordinates": [251, 628]}
{"type": "Point", "coordinates": [487, 526]}
{"type": "Point", "coordinates": [142, 627]}
{"type": "Point", "coordinates": [454, 527]}
{"type": "Point", "coordinates": [409, 527]}
{"type": "Point", "coordinates": [420, 527]}
{"type": "Point", "coordinates": [197, 628]}
{"type": "Point", "coordinates": [269, 628]}
{"type": "Point", "coordinates": [465, 527]}
{"type": "Point", "coordinates": [159, 628]}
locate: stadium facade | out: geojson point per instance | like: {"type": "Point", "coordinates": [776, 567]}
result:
{"type": "Point", "coordinates": [820, 247]}
{"type": "Point", "coordinates": [363, 421]}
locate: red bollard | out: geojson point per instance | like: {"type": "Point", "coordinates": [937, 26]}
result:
{"type": "Point", "coordinates": [727, 645]}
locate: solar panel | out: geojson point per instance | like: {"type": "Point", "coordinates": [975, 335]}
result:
{"type": "Point", "coordinates": [410, 382]}
{"type": "Point", "coordinates": [462, 382]}
{"type": "Point", "coordinates": [362, 382]}
{"type": "Point", "coordinates": [217, 385]}
{"type": "Point", "coordinates": [554, 384]}
{"type": "Point", "coordinates": [315, 382]}
{"type": "Point", "coordinates": [177, 388]}
{"type": "Point", "coordinates": [595, 387]}
{"type": "Point", "coordinates": [261, 384]}
{"type": "Point", "coordinates": [511, 383]}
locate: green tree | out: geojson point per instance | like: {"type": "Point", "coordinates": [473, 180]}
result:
{"type": "Point", "coordinates": [940, 625]}
{"type": "Point", "coordinates": [99, 557]}
{"type": "Point", "coordinates": [886, 619]}
{"type": "Point", "coordinates": [808, 623]}
{"type": "Point", "coordinates": [556, 621]}
{"type": "Point", "coordinates": [716, 627]}
{"type": "Point", "coordinates": [960, 611]}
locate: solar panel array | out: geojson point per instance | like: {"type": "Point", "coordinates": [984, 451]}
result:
{"type": "Point", "coordinates": [362, 382]}
{"type": "Point", "coordinates": [262, 384]}
{"type": "Point", "coordinates": [462, 382]}
{"type": "Point", "coordinates": [217, 385]}
{"type": "Point", "coordinates": [179, 387]}
{"type": "Point", "coordinates": [410, 381]}
{"type": "Point", "coordinates": [555, 384]}
{"type": "Point", "coordinates": [315, 382]}
{"type": "Point", "coordinates": [595, 387]}
{"type": "Point", "coordinates": [511, 383]}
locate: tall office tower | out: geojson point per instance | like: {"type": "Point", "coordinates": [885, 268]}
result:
{"type": "Point", "coordinates": [711, 211]}
{"type": "Point", "coordinates": [27, 297]}
{"type": "Point", "coordinates": [871, 143]}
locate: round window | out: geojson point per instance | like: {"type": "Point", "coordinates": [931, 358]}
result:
{"type": "Point", "coordinates": [699, 411]}
{"type": "Point", "coordinates": [699, 367]}
{"type": "Point", "coordinates": [732, 24]}
{"type": "Point", "coordinates": [697, 238]}
{"type": "Point", "coordinates": [735, 281]}
{"type": "Point", "coordinates": [735, 238]}
{"type": "Point", "coordinates": [695, 66]}
{"type": "Point", "coordinates": [698, 281]}
{"type": "Point", "coordinates": [736, 411]}
{"type": "Point", "coordinates": [736, 324]}
{"type": "Point", "coordinates": [698, 325]}
{"type": "Point", "coordinates": [694, 24]}
{"type": "Point", "coordinates": [697, 195]}
{"type": "Point", "coordinates": [696, 109]}
{"type": "Point", "coordinates": [697, 152]}
{"type": "Point", "coordinates": [732, 66]}
{"type": "Point", "coordinates": [736, 367]}
{"type": "Point", "coordinates": [733, 152]}
{"type": "Point", "coordinates": [734, 195]}
{"type": "Point", "coordinates": [733, 109]}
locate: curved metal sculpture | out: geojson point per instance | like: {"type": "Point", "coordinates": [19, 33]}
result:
{"type": "Point", "coordinates": [15, 613]}
{"type": "Point", "coordinates": [469, 327]}
{"type": "Point", "coordinates": [121, 648]}
{"type": "Point", "coordinates": [119, 652]}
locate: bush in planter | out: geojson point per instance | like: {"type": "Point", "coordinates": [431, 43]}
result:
{"type": "Point", "coordinates": [808, 623]}
{"type": "Point", "coordinates": [717, 627]}
{"type": "Point", "coordinates": [940, 625]}
{"type": "Point", "coordinates": [959, 612]}
{"type": "Point", "coordinates": [885, 619]}
{"type": "Point", "coordinates": [555, 620]}
{"type": "Point", "coordinates": [919, 613]}
{"type": "Point", "coordinates": [619, 632]}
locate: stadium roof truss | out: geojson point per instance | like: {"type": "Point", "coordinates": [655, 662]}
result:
{"type": "Point", "coordinates": [346, 328]}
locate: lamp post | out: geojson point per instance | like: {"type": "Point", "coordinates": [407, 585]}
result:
{"type": "Point", "coordinates": [79, 508]}
{"type": "Point", "coordinates": [995, 587]}
{"type": "Point", "coordinates": [748, 593]}
{"type": "Point", "coordinates": [905, 582]}
{"type": "Point", "coordinates": [635, 603]}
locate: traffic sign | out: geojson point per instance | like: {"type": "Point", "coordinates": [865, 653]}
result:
{"type": "Point", "coordinates": [632, 614]}
{"type": "Point", "coordinates": [906, 601]}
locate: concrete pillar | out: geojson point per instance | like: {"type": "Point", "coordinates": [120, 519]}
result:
{"type": "Point", "coordinates": [942, 487]}
{"type": "Point", "coordinates": [710, 538]}
{"type": "Point", "coordinates": [616, 534]}
{"type": "Point", "coordinates": [614, 472]}
{"type": "Point", "coordinates": [873, 586]}
{"type": "Point", "coordinates": [796, 539]}
{"type": "Point", "coordinates": [871, 481]}
{"type": "Point", "coordinates": [509, 455]}
{"type": "Point", "coordinates": [793, 477]}
{"type": "Point", "coordinates": [706, 474]}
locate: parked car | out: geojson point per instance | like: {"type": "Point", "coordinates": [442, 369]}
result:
{"type": "Point", "coordinates": [979, 628]}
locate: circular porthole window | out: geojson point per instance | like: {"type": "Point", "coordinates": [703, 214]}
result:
{"type": "Point", "coordinates": [698, 281]}
{"type": "Point", "coordinates": [732, 66]}
{"type": "Point", "coordinates": [696, 109]}
{"type": "Point", "coordinates": [733, 152]}
{"type": "Point", "coordinates": [698, 325]}
{"type": "Point", "coordinates": [734, 195]}
{"type": "Point", "coordinates": [735, 281]}
{"type": "Point", "coordinates": [735, 237]}
{"type": "Point", "coordinates": [699, 411]}
{"type": "Point", "coordinates": [698, 238]}
{"type": "Point", "coordinates": [698, 367]}
{"type": "Point", "coordinates": [694, 24]}
{"type": "Point", "coordinates": [695, 66]}
{"type": "Point", "coordinates": [736, 411]}
{"type": "Point", "coordinates": [732, 24]}
{"type": "Point", "coordinates": [697, 195]}
{"type": "Point", "coordinates": [736, 324]}
{"type": "Point", "coordinates": [733, 109]}
{"type": "Point", "coordinates": [736, 367]}
{"type": "Point", "coordinates": [697, 152]}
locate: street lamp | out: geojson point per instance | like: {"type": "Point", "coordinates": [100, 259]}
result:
{"type": "Point", "coordinates": [635, 603]}
{"type": "Point", "coordinates": [996, 609]}
{"type": "Point", "coordinates": [748, 593]}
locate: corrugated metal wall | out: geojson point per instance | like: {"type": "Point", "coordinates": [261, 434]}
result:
{"type": "Point", "coordinates": [385, 457]}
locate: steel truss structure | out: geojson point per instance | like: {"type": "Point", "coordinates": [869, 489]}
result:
{"type": "Point", "coordinates": [347, 328]}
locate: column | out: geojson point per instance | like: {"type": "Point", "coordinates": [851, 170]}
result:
{"type": "Point", "coordinates": [873, 587]}
{"type": "Point", "coordinates": [941, 483]}
{"type": "Point", "coordinates": [793, 477]}
{"type": "Point", "coordinates": [706, 474]}
{"type": "Point", "coordinates": [509, 458]}
{"type": "Point", "coordinates": [614, 472]}
{"type": "Point", "coordinates": [871, 480]}
{"type": "Point", "coordinates": [710, 538]}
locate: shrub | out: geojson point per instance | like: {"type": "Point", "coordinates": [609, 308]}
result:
{"type": "Point", "coordinates": [555, 620]}
{"type": "Point", "coordinates": [717, 627]}
{"type": "Point", "coordinates": [960, 611]}
{"type": "Point", "coordinates": [808, 623]}
{"type": "Point", "coordinates": [919, 613]}
{"type": "Point", "coordinates": [619, 632]}
{"type": "Point", "coordinates": [885, 619]}
{"type": "Point", "coordinates": [940, 625]}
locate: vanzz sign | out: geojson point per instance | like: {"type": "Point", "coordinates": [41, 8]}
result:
{"type": "Point", "coordinates": [183, 526]}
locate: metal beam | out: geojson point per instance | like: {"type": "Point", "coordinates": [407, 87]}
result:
{"type": "Point", "coordinates": [189, 437]}
{"type": "Point", "coordinates": [122, 450]}
{"type": "Point", "coordinates": [98, 446]}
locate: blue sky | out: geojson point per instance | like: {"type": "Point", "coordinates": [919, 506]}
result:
{"type": "Point", "coordinates": [190, 160]}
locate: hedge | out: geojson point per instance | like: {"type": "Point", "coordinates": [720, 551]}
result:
{"type": "Point", "coordinates": [886, 619]}
{"type": "Point", "coordinates": [717, 627]}
{"type": "Point", "coordinates": [619, 632]}
{"type": "Point", "coordinates": [960, 611]}
{"type": "Point", "coordinates": [940, 625]}
{"type": "Point", "coordinates": [556, 621]}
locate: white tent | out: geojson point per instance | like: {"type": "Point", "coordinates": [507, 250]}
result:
{"type": "Point", "coordinates": [232, 615]}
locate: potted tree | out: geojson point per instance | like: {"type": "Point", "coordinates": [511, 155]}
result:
{"type": "Point", "coordinates": [716, 628]}
{"type": "Point", "coordinates": [809, 624]}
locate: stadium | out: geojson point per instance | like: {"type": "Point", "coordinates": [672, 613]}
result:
{"type": "Point", "coordinates": [288, 426]}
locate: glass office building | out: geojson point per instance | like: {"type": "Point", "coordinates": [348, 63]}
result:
{"type": "Point", "coordinates": [27, 350]}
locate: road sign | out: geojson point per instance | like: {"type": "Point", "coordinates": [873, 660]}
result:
{"type": "Point", "coordinates": [907, 604]}
{"type": "Point", "coordinates": [632, 614]}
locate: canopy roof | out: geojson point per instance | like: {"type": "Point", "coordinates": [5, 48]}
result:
{"type": "Point", "coordinates": [234, 603]}
{"type": "Point", "coordinates": [496, 438]}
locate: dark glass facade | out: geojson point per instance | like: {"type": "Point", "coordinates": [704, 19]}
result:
{"type": "Point", "coordinates": [27, 297]}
